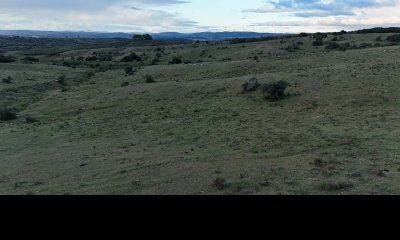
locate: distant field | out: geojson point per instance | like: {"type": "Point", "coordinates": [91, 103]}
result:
{"type": "Point", "coordinates": [118, 117]}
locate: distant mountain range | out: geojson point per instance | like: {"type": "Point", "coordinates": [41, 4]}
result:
{"type": "Point", "coordinates": [203, 36]}
{"type": "Point", "coordinates": [212, 35]}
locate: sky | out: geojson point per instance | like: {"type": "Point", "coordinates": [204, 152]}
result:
{"type": "Point", "coordinates": [151, 16]}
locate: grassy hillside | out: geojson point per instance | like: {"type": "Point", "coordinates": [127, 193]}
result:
{"type": "Point", "coordinates": [89, 123]}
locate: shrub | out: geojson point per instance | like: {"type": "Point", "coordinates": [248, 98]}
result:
{"type": "Point", "coordinates": [344, 46]}
{"type": "Point", "coordinates": [394, 38]}
{"type": "Point", "coordinates": [176, 60]}
{"type": "Point", "coordinates": [129, 70]}
{"type": "Point", "coordinates": [131, 57]}
{"type": "Point", "coordinates": [274, 91]}
{"type": "Point", "coordinates": [220, 183]}
{"type": "Point", "coordinates": [155, 61]}
{"type": "Point", "coordinates": [318, 43]}
{"type": "Point", "coordinates": [31, 120]}
{"type": "Point", "coordinates": [124, 84]}
{"type": "Point", "coordinates": [6, 59]}
{"type": "Point", "coordinates": [106, 58]}
{"type": "Point", "coordinates": [251, 86]}
{"type": "Point", "coordinates": [7, 80]}
{"type": "Point", "coordinates": [332, 46]}
{"type": "Point", "coordinates": [30, 59]}
{"type": "Point", "coordinates": [289, 49]}
{"type": "Point", "coordinates": [61, 79]}
{"type": "Point", "coordinates": [378, 39]}
{"type": "Point", "coordinates": [335, 39]}
{"type": "Point", "coordinates": [149, 79]}
{"type": "Point", "coordinates": [335, 186]}
{"type": "Point", "coordinates": [91, 59]}
{"type": "Point", "coordinates": [320, 36]}
{"type": "Point", "coordinates": [90, 74]}
{"type": "Point", "coordinates": [7, 114]}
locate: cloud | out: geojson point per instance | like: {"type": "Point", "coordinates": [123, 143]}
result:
{"type": "Point", "coordinates": [99, 15]}
{"type": "Point", "coordinates": [79, 4]}
{"type": "Point", "coordinates": [321, 8]}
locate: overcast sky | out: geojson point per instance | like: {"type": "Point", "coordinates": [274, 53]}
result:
{"type": "Point", "coordinates": [198, 15]}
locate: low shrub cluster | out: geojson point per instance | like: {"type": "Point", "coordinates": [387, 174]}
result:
{"type": "Point", "coordinates": [176, 60]}
{"type": "Point", "coordinates": [251, 86]}
{"type": "Point", "coordinates": [271, 91]}
{"type": "Point", "coordinates": [7, 114]}
{"type": "Point", "coordinates": [131, 57]}
{"type": "Point", "coordinates": [7, 59]}
{"type": "Point", "coordinates": [394, 38]}
{"type": "Point", "coordinates": [7, 80]}
{"type": "Point", "coordinates": [274, 91]}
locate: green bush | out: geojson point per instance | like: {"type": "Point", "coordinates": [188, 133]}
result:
{"type": "Point", "coordinates": [155, 61]}
{"type": "Point", "coordinates": [335, 186]}
{"type": "Point", "coordinates": [131, 57]}
{"type": "Point", "coordinates": [106, 58]}
{"type": "Point", "coordinates": [320, 36]}
{"type": "Point", "coordinates": [7, 114]}
{"type": "Point", "coordinates": [333, 46]}
{"type": "Point", "coordinates": [149, 79]}
{"type": "Point", "coordinates": [30, 59]}
{"type": "Point", "coordinates": [31, 120]}
{"type": "Point", "coordinates": [124, 84]}
{"type": "Point", "coordinates": [274, 91]}
{"type": "Point", "coordinates": [61, 79]}
{"type": "Point", "coordinates": [394, 38]}
{"type": "Point", "coordinates": [251, 86]}
{"type": "Point", "coordinates": [220, 183]}
{"type": "Point", "coordinates": [91, 59]}
{"type": "Point", "coordinates": [6, 59]}
{"type": "Point", "coordinates": [289, 49]}
{"type": "Point", "coordinates": [176, 60]}
{"type": "Point", "coordinates": [90, 74]}
{"type": "Point", "coordinates": [129, 70]}
{"type": "Point", "coordinates": [318, 43]}
{"type": "Point", "coordinates": [7, 80]}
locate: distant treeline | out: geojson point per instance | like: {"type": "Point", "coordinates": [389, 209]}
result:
{"type": "Point", "coordinates": [379, 30]}
{"type": "Point", "coordinates": [259, 39]}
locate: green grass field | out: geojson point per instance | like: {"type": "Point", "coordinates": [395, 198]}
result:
{"type": "Point", "coordinates": [193, 131]}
